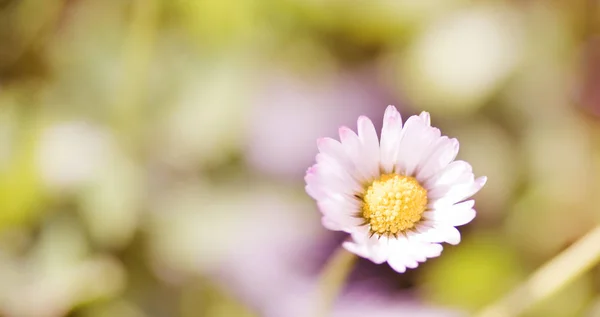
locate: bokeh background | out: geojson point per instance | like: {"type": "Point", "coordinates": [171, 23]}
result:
{"type": "Point", "coordinates": [152, 152]}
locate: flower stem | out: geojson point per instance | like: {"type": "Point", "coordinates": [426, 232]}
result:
{"type": "Point", "coordinates": [549, 278]}
{"type": "Point", "coordinates": [332, 280]}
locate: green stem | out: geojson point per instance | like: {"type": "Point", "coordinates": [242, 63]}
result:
{"type": "Point", "coordinates": [549, 278]}
{"type": "Point", "coordinates": [332, 280]}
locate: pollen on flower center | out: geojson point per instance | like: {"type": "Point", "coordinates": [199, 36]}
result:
{"type": "Point", "coordinates": [393, 204]}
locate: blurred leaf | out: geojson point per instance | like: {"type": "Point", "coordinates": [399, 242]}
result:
{"type": "Point", "coordinates": [211, 301]}
{"type": "Point", "coordinates": [57, 274]}
{"type": "Point", "coordinates": [111, 204]}
{"type": "Point", "coordinates": [219, 24]}
{"type": "Point", "coordinates": [480, 270]}
{"type": "Point", "coordinates": [208, 116]}
{"type": "Point", "coordinates": [537, 223]}
{"type": "Point", "coordinates": [86, 58]}
{"type": "Point", "coordinates": [460, 60]}
{"type": "Point", "coordinates": [120, 308]}
{"type": "Point", "coordinates": [21, 193]}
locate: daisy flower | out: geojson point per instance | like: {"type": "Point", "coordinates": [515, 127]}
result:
{"type": "Point", "coordinates": [400, 197]}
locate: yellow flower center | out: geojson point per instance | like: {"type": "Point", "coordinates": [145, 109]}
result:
{"type": "Point", "coordinates": [393, 204]}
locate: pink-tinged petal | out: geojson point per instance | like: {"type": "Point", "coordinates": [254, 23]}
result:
{"type": "Point", "coordinates": [335, 150]}
{"type": "Point", "coordinates": [325, 181]}
{"type": "Point", "coordinates": [367, 133]}
{"type": "Point", "coordinates": [334, 172]}
{"type": "Point", "coordinates": [449, 174]}
{"type": "Point", "coordinates": [349, 205]}
{"type": "Point", "coordinates": [425, 117]}
{"type": "Point", "coordinates": [479, 183]}
{"type": "Point", "coordinates": [312, 179]}
{"type": "Point", "coordinates": [313, 188]}
{"type": "Point", "coordinates": [330, 146]}
{"type": "Point", "coordinates": [446, 194]}
{"type": "Point", "coordinates": [417, 138]}
{"type": "Point", "coordinates": [314, 192]}
{"type": "Point", "coordinates": [340, 213]}
{"type": "Point", "coordinates": [442, 153]}
{"type": "Point", "coordinates": [353, 149]}
{"type": "Point", "coordinates": [460, 192]}
{"type": "Point", "coordinates": [346, 133]}
{"type": "Point", "coordinates": [391, 134]}
{"type": "Point", "coordinates": [330, 224]}
{"type": "Point", "coordinates": [370, 144]}
{"type": "Point", "coordinates": [456, 215]}
{"type": "Point", "coordinates": [476, 186]}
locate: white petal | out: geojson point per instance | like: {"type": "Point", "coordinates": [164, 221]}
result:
{"type": "Point", "coordinates": [432, 250]}
{"type": "Point", "coordinates": [314, 192]}
{"type": "Point", "coordinates": [353, 149]}
{"type": "Point", "coordinates": [452, 234]}
{"type": "Point", "coordinates": [459, 193]}
{"type": "Point", "coordinates": [436, 193]}
{"type": "Point", "coordinates": [330, 224]}
{"type": "Point", "coordinates": [340, 213]}
{"type": "Point", "coordinates": [398, 264]}
{"type": "Point", "coordinates": [335, 150]}
{"type": "Point", "coordinates": [371, 247]}
{"type": "Point", "coordinates": [378, 250]}
{"type": "Point", "coordinates": [417, 138]}
{"type": "Point", "coordinates": [412, 264]}
{"type": "Point", "coordinates": [449, 174]}
{"type": "Point", "coordinates": [391, 134]}
{"type": "Point", "coordinates": [370, 144]}
{"type": "Point", "coordinates": [345, 204]}
{"type": "Point", "coordinates": [324, 180]}
{"type": "Point", "coordinates": [328, 168]}
{"type": "Point", "coordinates": [456, 215]}
{"type": "Point", "coordinates": [426, 117]}
{"type": "Point", "coordinates": [312, 186]}
{"type": "Point", "coordinates": [400, 255]}
{"type": "Point", "coordinates": [473, 189]}
{"type": "Point", "coordinates": [426, 231]}
{"type": "Point", "coordinates": [406, 253]}
{"type": "Point", "coordinates": [435, 232]}
{"type": "Point", "coordinates": [331, 147]}
{"type": "Point", "coordinates": [356, 248]}
{"type": "Point", "coordinates": [441, 154]}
